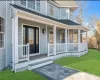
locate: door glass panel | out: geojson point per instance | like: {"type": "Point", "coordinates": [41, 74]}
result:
{"type": "Point", "coordinates": [37, 36]}
{"type": "Point", "coordinates": [24, 37]}
{"type": "Point", "coordinates": [31, 36]}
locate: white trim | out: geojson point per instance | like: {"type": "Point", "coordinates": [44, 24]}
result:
{"type": "Point", "coordinates": [39, 35]}
{"type": "Point", "coordinates": [34, 54]}
{"type": "Point", "coordinates": [54, 32]}
{"type": "Point", "coordinates": [66, 38]}
{"type": "Point", "coordinates": [47, 37]}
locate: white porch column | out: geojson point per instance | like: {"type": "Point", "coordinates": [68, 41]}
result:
{"type": "Point", "coordinates": [68, 13]}
{"type": "Point", "coordinates": [87, 39]}
{"type": "Point", "coordinates": [15, 38]}
{"type": "Point", "coordinates": [78, 40]}
{"type": "Point", "coordinates": [66, 38]}
{"type": "Point", "coordinates": [54, 31]}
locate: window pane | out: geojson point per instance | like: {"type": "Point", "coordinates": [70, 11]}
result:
{"type": "Point", "coordinates": [23, 2]}
{"type": "Point", "coordinates": [38, 6]}
{"type": "Point", "coordinates": [51, 39]}
{"type": "Point", "coordinates": [0, 20]}
{"type": "Point", "coordinates": [51, 10]}
{"type": "Point", "coordinates": [1, 37]}
{"type": "Point", "coordinates": [31, 4]}
{"type": "Point", "coordinates": [71, 36]}
{"type": "Point", "coordinates": [75, 36]}
{"type": "Point", "coordinates": [1, 28]}
{"type": "Point", "coordinates": [24, 35]}
{"type": "Point", "coordinates": [62, 36]}
{"type": "Point", "coordinates": [1, 32]}
{"type": "Point", "coordinates": [1, 44]}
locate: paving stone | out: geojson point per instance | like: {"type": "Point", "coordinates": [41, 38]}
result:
{"type": "Point", "coordinates": [55, 71]}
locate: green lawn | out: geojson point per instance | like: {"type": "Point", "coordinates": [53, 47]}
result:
{"type": "Point", "coordinates": [25, 75]}
{"type": "Point", "coordinates": [88, 63]}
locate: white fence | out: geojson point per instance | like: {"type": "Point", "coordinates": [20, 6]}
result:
{"type": "Point", "coordinates": [23, 52]}
{"type": "Point", "coordinates": [72, 47]}
{"type": "Point", "coordinates": [83, 47]}
{"type": "Point", "coordinates": [61, 47]}
{"type": "Point", "coordinates": [50, 49]}
{"type": "Point", "coordinates": [66, 47]}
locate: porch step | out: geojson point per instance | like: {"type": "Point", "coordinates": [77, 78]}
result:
{"type": "Point", "coordinates": [39, 64]}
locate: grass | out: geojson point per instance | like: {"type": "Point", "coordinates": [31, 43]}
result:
{"type": "Point", "coordinates": [88, 63]}
{"type": "Point", "coordinates": [25, 75]}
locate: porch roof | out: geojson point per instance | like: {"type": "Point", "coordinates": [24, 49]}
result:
{"type": "Point", "coordinates": [64, 21]}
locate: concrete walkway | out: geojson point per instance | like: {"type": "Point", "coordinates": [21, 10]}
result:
{"type": "Point", "coordinates": [82, 76]}
{"type": "Point", "coordinates": [57, 72]}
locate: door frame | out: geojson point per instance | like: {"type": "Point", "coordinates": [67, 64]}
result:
{"type": "Point", "coordinates": [39, 37]}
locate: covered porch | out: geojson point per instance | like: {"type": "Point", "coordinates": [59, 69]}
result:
{"type": "Point", "coordinates": [35, 38]}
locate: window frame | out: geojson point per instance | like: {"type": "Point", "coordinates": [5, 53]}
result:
{"type": "Point", "coordinates": [2, 23]}
{"type": "Point", "coordinates": [36, 7]}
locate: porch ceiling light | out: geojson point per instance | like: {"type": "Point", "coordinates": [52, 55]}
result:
{"type": "Point", "coordinates": [43, 31]}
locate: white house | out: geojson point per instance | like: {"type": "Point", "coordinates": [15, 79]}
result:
{"type": "Point", "coordinates": [33, 33]}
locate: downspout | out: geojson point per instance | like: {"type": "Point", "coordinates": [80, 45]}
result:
{"type": "Point", "coordinates": [13, 51]}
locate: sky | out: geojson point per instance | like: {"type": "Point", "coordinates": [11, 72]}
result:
{"type": "Point", "coordinates": [91, 8]}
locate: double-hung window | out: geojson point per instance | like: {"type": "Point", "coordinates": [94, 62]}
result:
{"type": "Point", "coordinates": [1, 32]}
{"type": "Point", "coordinates": [51, 10]}
{"type": "Point", "coordinates": [31, 4]}
{"type": "Point", "coordinates": [38, 5]}
{"type": "Point", "coordinates": [23, 2]}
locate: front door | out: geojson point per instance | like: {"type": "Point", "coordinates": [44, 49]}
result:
{"type": "Point", "coordinates": [31, 36]}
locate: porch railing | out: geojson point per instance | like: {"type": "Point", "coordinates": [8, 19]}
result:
{"type": "Point", "coordinates": [50, 49]}
{"type": "Point", "coordinates": [23, 52]}
{"type": "Point", "coordinates": [72, 47]}
{"type": "Point", "coordinates": [60, 48]}
{"type": "Point", "coordinates": [83, 46]}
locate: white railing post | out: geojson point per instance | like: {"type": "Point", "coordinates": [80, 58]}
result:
{"type": "Point", "coordinates": [66, 38]}
{"type": "Point", "coordinates": [87, 40]}
{"type": "Point", "coordinates": [79, 40]}
{"type": "Point", "coordinates": [28, 51]}
{"type": "Point", "coordinates": [54, 31]}
{"type": "Point", "coordinates": [48, 49]}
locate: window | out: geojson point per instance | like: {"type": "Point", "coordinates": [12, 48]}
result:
{"type": "Point", "coordinates": [31, 4]}
{"type": "Point", "coordinates": [51, 10]}
{"type": "Point", "coordinates": [63, 13]}
{"type": "Point", "coordinates": [23, 2]}
{"type": "Point", "coordinates": [1, 32]}
{"type": "Point", "coordinates": [38, 5]}
{"type": "Point", "coordinates": [62, 37]}
{"type": "Point", "coordinates": [51, 39]}
{"type": "Point", "coordinates": [73, 36]}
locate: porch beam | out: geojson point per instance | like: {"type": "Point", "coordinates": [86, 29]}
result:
{"type": "Point", "coordinates": [54, 30]}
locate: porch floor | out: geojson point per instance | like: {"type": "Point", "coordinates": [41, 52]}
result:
{"type": "Point", "coordinates": [38, 56]}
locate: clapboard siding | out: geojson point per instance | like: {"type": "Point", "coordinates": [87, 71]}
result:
{"type": "Point", "coordinates": [9, 34]}
{"type": "Point", "coordinates": [3, 50]}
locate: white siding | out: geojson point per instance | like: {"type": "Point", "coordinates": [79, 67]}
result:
{"type": "Point", "coordinates": [2, 51]}
{"type": "Point", "coordinates": [9, 34]}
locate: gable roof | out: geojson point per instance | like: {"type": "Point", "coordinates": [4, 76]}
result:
{"type": "Point", "coordinates": [64, 21]}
